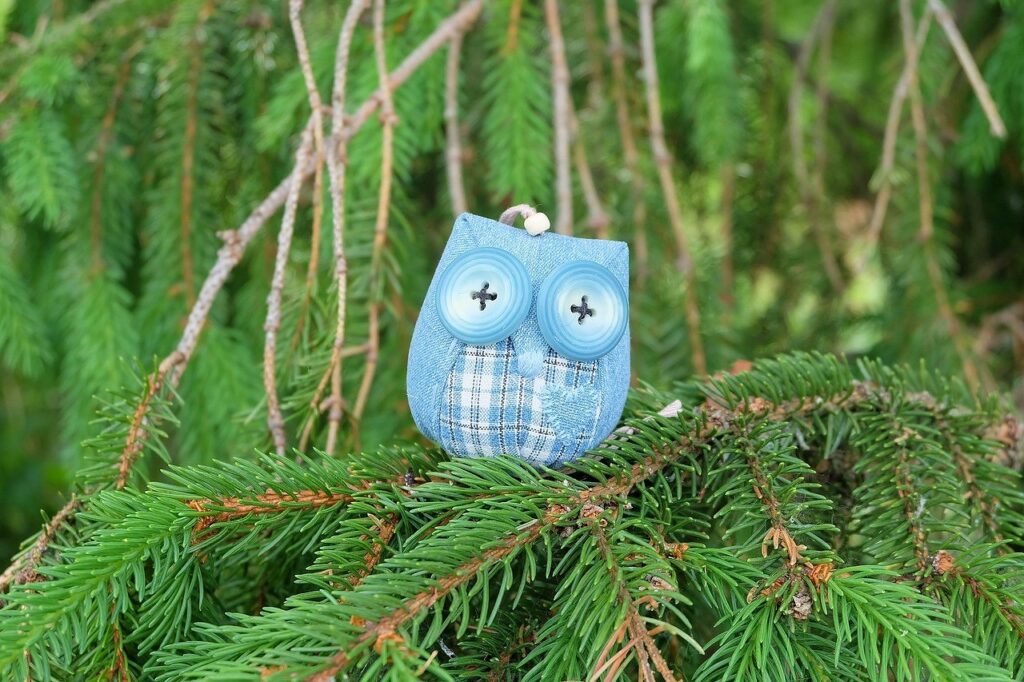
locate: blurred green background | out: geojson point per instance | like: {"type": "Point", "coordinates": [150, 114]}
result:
{"type": "Point", "coordinates": [132, 131]}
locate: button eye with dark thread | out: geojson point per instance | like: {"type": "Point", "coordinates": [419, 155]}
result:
{"type": "Point", "coordinates": [582, 310]}
{"type": "Point", "coordinates": [483, 296]}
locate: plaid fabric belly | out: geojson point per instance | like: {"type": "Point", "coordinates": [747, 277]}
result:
{"type": "Point", "coordinates": [489, 409]}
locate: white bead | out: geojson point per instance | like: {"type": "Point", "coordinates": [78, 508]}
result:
{"type": "Point", "coordinates": [537, 224]}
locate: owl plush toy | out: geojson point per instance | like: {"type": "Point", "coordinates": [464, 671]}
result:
{"type": "Point", "coordinates": [522, 344]}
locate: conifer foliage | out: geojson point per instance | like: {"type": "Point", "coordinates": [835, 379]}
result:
{"type": "Point", "coordinates": [218, 218]}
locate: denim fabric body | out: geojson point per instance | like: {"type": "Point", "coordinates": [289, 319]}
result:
{"type": "Point", "coordinates": [517, 396]}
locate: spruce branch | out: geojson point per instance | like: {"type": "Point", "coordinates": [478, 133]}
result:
{"type": "Point", "coordinates": [663, 164]}
{"type": "Point", "coordinates": [562, 118]}
{"type": "Point", "coordinates": [226, 509]}
{"type": "Point", "coordinates": [640, 638]}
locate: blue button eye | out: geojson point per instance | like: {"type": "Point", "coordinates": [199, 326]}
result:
{"type": "Point", "coordinates": [484, 296]}
{"type": "Point", "coordinates": [582, 310]}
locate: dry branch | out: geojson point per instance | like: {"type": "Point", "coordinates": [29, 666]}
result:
{"type": "Point", "coordinates": [811, 192]}
{"type": "Point", "coordinates": [23, 569]}
{"type": "Point", "coordinates": [453, 143]}
{"type": "Point", "coordinates": [630, 153]}
{"type": "Point", "coordinates": [892, 128]}
{"type": "Point", "coordinates": [663, 163]}
{"type": "Point", "coordinates": [275, 420]}
{"type": "Point", "coordinates": [380, 229]}
{"type": "Point", "coordinates": [926, 234]}
{"type": "Point", "coordinates": [562, 117]}
{"type": "Point", "coordinates": [963, 54]}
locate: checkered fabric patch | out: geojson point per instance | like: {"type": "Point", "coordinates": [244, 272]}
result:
{"type": "Point", "coordinates": [489, 409]}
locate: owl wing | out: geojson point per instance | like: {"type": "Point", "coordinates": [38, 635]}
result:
{"type": "Point", "coordinates": [433, 349]}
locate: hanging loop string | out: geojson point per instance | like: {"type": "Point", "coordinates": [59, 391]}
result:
{"type": "Point", "coordinates": [535, 222]}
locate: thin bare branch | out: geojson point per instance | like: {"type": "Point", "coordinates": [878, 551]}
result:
{"type": "Point", "coordinates": [728, 176]}
{"type": "Point", "coordinates": [892, 129]}
{"type": "Point", "coordinates": [453, 143]}
{"type": "Point", "coordinates": [561, 112]}
{"type": "Point", "coordinates": [810, 193]}
{"type": "Point", "coordinates": [926, 234]}
{"type": "Point", "coordinates": [629, 148]}
{"type": "Point", "coordinates": [597, 217]}
{"type": "Point", "coordinates": [341, 133]}
{"type": "Point", "coordinates": [336, 164]}
{"type": "Point", "coordinates": [189, 151]}
{"type": "Point", "coordinates": [316, 118]}
{"type": "Point", "coordinates": [380, 231]}
{"type": "Point", "coordinates": [663, 163]}
{"type": "Point", "coordinates": [23, 569]}
{"type": "Point", "coordinates": [963, 54]}
{"type": "Point", "coordinates": [102, 143]}
{"type": "Point", "coordinates": [275, 420]}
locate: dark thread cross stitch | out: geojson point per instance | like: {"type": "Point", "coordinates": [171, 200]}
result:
{"type": "Point", "coordinates": [583, 309]}
{"type": "Point", "coordinates": [484, 296]}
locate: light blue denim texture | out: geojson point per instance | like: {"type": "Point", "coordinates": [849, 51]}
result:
{"type": "Point", "coordinates": [592, 412]}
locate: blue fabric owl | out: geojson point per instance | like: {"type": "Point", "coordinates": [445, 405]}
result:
{"type": "Point", "coordinates": [522, 344]}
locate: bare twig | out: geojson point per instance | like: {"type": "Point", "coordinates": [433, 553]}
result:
{"type": "Point", "coordinates": [341, 133]}
{"type": "Point", "coordinates": [102, 142]}
{"type": "Point", "coordinates": [892, 128]}
{"type": "Point", "coordinates": [189, 151]}
{"type": "Point", "coordinates": [562, 122]}
{"type": "Point", "coordinates": [963, 53]}
{"type": "Point", "coordinates": [275, 420]}
{"type": "Point", "coordinates": [629, 148]}
{"type": "Point", "coordinates": [596, 86]}
{"type": "Point", "coordinates": [453, 146]}
{"type": "Point", "coordinates": [597, 218]}
{"type": "Point", "coordinates": [336, 164]}
{"type": "Point", "coordinates": [663, 163]}
{"type": "Point", "coordinates": [235, 241]}
{"type": "Point", "coordinates": [810, 195]}
{"type": "Point", "coordinates": [728, 175]}
{"type": "Point", "coordinates": [316, 116]}
{"type": "Point", "coordinates": [23, 569]}
{"type": "Point", "coordinates": [380, 230]}
{"type": "Point", "coordinates": [926, 234]}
